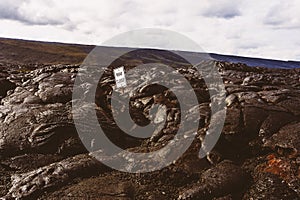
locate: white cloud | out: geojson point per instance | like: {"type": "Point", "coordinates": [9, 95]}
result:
{"type": "Point", "coordinates": [251, 28]}
{"type": "Point", "coordinates": [221, 9]}
{"type": "Point", "coordinates": [32, 12]}
{"type": "Point", "coordinates": [284, 15]}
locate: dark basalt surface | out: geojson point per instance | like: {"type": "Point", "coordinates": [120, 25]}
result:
{"type": "Point", "coordinates": [256, 157]}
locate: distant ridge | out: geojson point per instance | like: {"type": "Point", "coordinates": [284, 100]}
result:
{"type": "Point", "coordinates": [254, 62]}
{"type": "Point", "coordinates": [17, 51]}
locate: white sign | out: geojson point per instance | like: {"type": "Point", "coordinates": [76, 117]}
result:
{"type": "Point", "coordinates": [119, 74]}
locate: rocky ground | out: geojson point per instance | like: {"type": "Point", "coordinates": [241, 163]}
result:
{"type": "Point", "coordinates": [256, 157]}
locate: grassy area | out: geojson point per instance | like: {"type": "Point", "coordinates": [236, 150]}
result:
{"type": "Point", "coordinates": [29, 52]}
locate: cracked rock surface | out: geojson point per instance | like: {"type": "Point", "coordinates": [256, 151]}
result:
{"type": "Point", "coordinates": [256, 157]}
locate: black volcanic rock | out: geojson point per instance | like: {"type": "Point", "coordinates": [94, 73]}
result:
{"type": "Point", "coordinates": [274, 177]}
{"type": "Point", "coordinates": [218, 181]}
{"type": "Point", "coordinates": [257, 155]}
{"type": "Point", "coordinates": [269, 186]}
{"type": "Point", "coordinates": [6, 85]}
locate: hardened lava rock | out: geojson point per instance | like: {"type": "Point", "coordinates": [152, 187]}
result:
{"type": "Point", "coordinates": [256, 157]}
{"type": "Point", "coordinates": [224, 178]}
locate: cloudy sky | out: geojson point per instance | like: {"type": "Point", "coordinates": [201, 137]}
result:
{"type": "Point", "coordinates": [269, 28]}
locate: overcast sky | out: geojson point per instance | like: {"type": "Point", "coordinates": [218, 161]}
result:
{"type": "Point", "coordinates": [257, 28]}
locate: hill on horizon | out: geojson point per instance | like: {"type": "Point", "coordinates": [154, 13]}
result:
{"type": "Point", "coordinates": [19, 52]}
